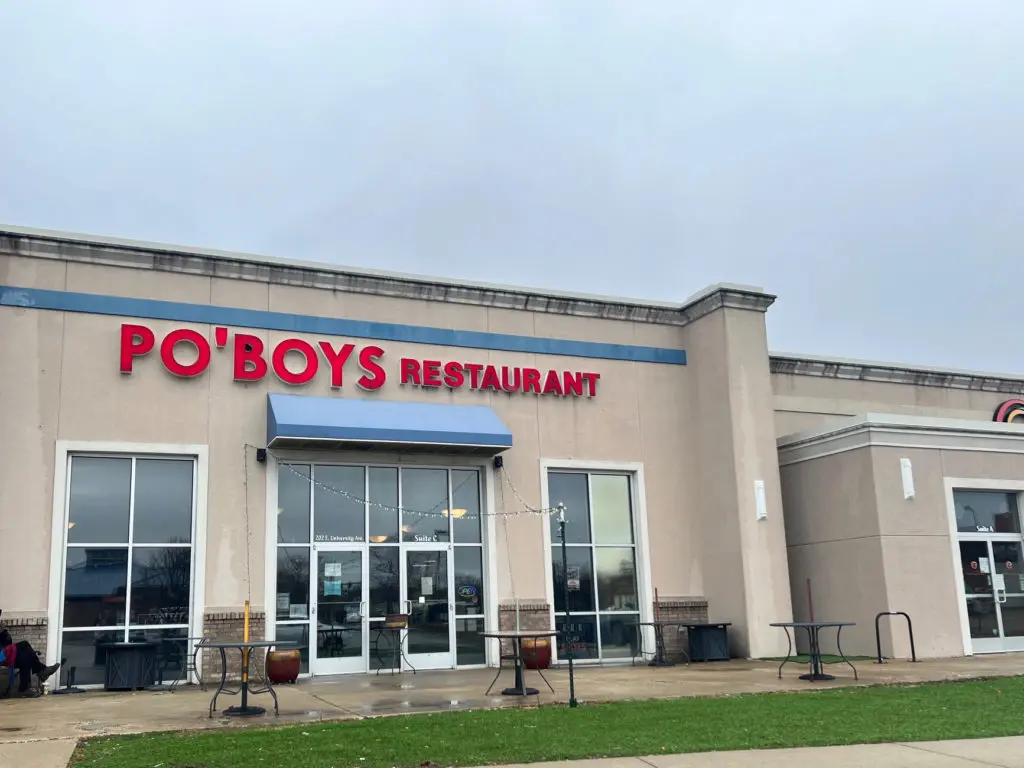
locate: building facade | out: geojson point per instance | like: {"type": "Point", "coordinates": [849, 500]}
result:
{"type": "Point", "coordinates": [192, 431]}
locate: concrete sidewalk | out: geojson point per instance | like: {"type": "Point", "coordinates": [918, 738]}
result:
{"type": "Point", "coordinates": [1004, 753]}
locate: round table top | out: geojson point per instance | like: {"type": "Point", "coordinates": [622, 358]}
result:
{"type": "Point", "coordinates": [512, 634]}
{"type": "Point", "coordinates": [248, 644]}
{"type": "Point", "coordinates": [811, 624]}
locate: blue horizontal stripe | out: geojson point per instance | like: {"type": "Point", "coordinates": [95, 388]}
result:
{"type": "Point", "coordinates": [97, 304]}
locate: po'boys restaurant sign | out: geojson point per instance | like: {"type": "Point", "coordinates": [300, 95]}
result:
{"type": "Point", "coordinates": [252, 361]}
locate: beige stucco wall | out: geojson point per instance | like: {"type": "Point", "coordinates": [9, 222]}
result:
{"type": "Point", "coordinates": [806, 402]}
{"type": "Point", "coordinates": [866, 548]}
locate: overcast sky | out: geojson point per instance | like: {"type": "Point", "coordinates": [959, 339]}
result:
{"type": "Point", "coordinates": [863, 160]}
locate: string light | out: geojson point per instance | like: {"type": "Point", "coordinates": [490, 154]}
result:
{"type": "Point", "coordinates": [439, 510]}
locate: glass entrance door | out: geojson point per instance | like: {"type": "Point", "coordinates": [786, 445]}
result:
{"type": "Point", "coordinates": [994, 591]}
{"type": "Point", "coordinates": [428, 589]}
{"type": "Point", "coordinates": [338, 616]}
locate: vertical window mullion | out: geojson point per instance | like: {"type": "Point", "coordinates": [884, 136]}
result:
{"type": "Point", "coordinates": [593, 563]}
{"type": "Point", "coordinates": [131, 537]}
{"type": "Point", "coordinates": [312, 512]}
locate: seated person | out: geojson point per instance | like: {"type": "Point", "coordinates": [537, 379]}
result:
{"type": "Point", "coordinates": [22, 656]}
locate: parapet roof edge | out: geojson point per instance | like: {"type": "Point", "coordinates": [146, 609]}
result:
{"type": "Point", "coordinates": [228, 264]}
{"type": "Point", "coordinates": [895, 373]}
{"type": "Point", "coordinates": [903, 422]}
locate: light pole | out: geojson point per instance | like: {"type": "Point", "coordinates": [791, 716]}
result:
{"type": "Point", "coordinates": [565, 598]}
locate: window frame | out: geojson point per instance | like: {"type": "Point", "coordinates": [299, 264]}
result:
{"type": "Point", "coordinates": [65, 453]}
{"type": "Point", "coordinates": [449, 464]}
{"type": "Point", "coordinates": [633, 471]}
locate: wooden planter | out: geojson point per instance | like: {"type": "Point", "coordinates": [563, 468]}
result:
{"type": "Point", "coordinates": [283, 666]}
{"type": "Point", "coordinates": [536, 653]}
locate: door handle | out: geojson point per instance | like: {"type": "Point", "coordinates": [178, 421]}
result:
{"type": "Point", "coordinates": [362, 615]}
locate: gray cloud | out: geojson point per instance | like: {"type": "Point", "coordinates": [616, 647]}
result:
{"type": "Point", "coordinates": [860, 159]}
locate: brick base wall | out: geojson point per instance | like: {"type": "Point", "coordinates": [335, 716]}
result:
{"type": "Point", "coordinates": [532, 615]}
{"type": "Point", "coordinates": [33, 630]}
{"type": "Point", "coordinates": [229, 627]}
{"type": "Point", "coordinates": [679, 609]}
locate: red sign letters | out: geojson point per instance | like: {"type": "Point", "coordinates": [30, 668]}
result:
{"type": "Point", "coordinates": [296, 362]}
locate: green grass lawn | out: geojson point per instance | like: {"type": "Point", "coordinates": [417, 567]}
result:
{"type": "Point", "coordinates": [838, 716]}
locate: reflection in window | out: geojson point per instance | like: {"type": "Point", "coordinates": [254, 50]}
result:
{"type": "Point", "coordinates": [600, 576]}
{"type": "Point", "coordinates": [293, 483]}
{"type": "Point", "coordinates": [133, 589]}
{"type": "Point", "coordinates": [465, 510]}
{"type": "Point", "coordinates": [469, 580]}
{"type": "Point", "coordinates": [163, 501]}
{"type": "Point", "coordinates": [161, 583]}
{"type": "Point", "coordinates": [570, 489]}
{"type": "Point", "coordinates": [383, 500]}
{"type": "Point", "coordinates": [99, 502]}
{"type": "Point", "coordinates": [338, 504]}
{"type": "Point", "coordinates": [384, 581]}
{"type": "Point", "coordinates": [292, 583]}
{"type": "Point", "coordinates": [424, 498]}
{"type": "Point", "coordinates": [986, 511]}
{"type": "Point", "coordinates": [95, 587]}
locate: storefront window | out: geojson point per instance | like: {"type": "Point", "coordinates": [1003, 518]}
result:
{"type": "Point", "coordinates": [986, 512]}
{"type": "Point", "coordinates": [395, 515]}
{"type": "Point", "coordinates": [600, 564]}
{"type": "Point", "coordinates": [128, 560]}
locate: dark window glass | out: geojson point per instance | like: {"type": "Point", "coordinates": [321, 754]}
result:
{"type": "Point", "coordinates": [99, 500]}
{"type": "Point", "coordinates": [984, 511]}
{"type": "Point", "coordinates": [469, 642]}
{"type": "Point", "coordinates": [163, 501]}
{"type": "Point", "coordinates": [86, 653]}
{"type": "Point", "coordinates": [161, 582]}
{"type": "Point", "coordinates": [465, 510]}
{"type": "Point", "coordinates": [339, 512]}
{"type": "Point", "coordinates": [613, 519]}
{"type": "Point", "coordinates": [95, 587]}
{"type": "Point", "coordinates": [293, 504]}
{"type": "Point", "coordinates": [580, 579]}
{"type": "Point", "coordinates": [424, 500]}
{"type": "Point", "coordinates": [616, 579]}
{"type": "Point", "coordinates": [583, 632]}
{"type": "Point", "coordinates": [292, 583]}
{"type": "Point", "coordinates": [469, 580]}
{"type": "Point", "coordinates": [383, 491]}
{"type": "Point", "coordinates": [570, 489]}
{"type": "Point", "coordinates": [620, 637]}
{"type": "Point", "coordinates": [171, 650]}
{"type": "Point", "coordinates": [298, 637]}
{"type": "Point", "coordinates": [427, 590]}
{"type": "Point", "coordinates": [384, 581]}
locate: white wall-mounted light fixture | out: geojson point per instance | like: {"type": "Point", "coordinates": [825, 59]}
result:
{"type": "Point", "coordinates": [907, 473]}
{"type": "Point", "coordinates": [760, 500]}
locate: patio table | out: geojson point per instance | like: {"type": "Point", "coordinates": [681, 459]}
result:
{"type": "Point", "coordinates": [660, 659]}
{"type": "Point", "coordinates": [813, 630]}
{"type": "Point", "coordinates": [245, 648]}
{"type": "Point", "coordinates": [517, 636]}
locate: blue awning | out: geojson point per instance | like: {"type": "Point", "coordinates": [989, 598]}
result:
{"type": "Point", "coordinates": [297, 421]}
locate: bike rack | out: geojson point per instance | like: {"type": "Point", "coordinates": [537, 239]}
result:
{"type": "Point", "coordinates": [878, 634]}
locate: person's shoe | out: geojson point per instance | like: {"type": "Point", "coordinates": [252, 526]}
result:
{"type": "Point", "coordinates": [47, 672]}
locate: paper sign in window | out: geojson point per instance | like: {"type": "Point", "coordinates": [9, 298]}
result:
{"type": "Point", "coordinates": [427, 586]}
{"type": "Point", "coordinates": [332, 570]}
{"type": "Point", "coordinates": [332, 587]}
{"type": "Point", "coordinates": [984, 565]}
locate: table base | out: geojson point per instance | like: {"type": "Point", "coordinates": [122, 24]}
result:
{"type": "Point", "coordinates": [817, 677]}
{"type": "Point", "coordinates": [520, 692]}
{"type": "Point", "coordinates": [661, 663]}
{"type": "Point", "coordinates": [244, 711]}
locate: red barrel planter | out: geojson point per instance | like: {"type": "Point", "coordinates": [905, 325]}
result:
{"type": "Point", "coordinates": [283, 666]}
{"type": "Point", "coordinates": [536, 653]}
